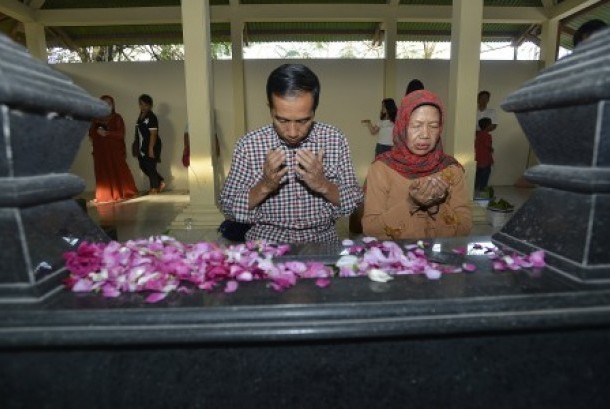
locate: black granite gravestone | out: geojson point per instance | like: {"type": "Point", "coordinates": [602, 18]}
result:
{"type": "Point", "coordinates": [565, 113]}
{"type": "Point", "coordinates": [43, 118]}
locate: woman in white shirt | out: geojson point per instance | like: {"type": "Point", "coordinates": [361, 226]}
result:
{"type": "Point", "coordinates": [384, 127]}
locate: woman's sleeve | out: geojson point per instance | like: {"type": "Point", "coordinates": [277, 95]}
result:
{"type": "Point", "coordinates": [116, 128]}
{"type": "Point", "coordinates": [459, 203]}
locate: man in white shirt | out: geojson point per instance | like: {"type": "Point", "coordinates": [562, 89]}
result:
{"type": "Point", "coordinates": [484, 112]}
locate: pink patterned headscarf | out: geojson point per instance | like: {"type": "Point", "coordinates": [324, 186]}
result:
{"type": "Point", "coordinates": [400, 158]}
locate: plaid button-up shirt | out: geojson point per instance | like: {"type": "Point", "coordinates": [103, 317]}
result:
{"type": "Point", "coordinates": [294, 213]}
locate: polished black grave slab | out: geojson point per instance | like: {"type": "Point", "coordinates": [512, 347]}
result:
{"type": "Point", "coordinates": [530, 337]}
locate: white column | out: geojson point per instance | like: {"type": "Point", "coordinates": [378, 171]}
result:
{"type": "Point", "coordinates": [237, 68]}
{"type": "Point", "coordinates": [548, 42]}
{"type": "Point", "coordinates": [36, 41]}
{"type": "Point", "coordinates": [464, 70]}
{"type": "Point", "coordinates": [202, 211]}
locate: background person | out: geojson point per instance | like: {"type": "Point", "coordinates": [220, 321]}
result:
{"type": "Point", "coordinates": [586, 29]}
{"type": "Point", "coordinates": [416, 190]}
{"type": "Point", "coordinates": [113, 179]}
{"type": "Point", "coordinates": [414, 85]}
{"type": "Point", "coordinates": [147, 144]}
{"type": "Point", "coordinates": [294, 178]}
{"type": "Point", "coordinates": [483, 155]}
{"type": "Point", "coordinates": [483, 111]}
{"type": "Point", "coordinates": [384, 127]}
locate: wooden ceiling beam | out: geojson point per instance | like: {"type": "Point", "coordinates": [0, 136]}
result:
{"type": "Point", "coordinates": [290, 12]}
{"type": "Point", "coordinates": [569, 7]}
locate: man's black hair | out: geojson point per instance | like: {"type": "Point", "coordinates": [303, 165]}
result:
{"type": "Point", "coordinates": [293, 79]}
{"type": "Point", "coordinates": [147, 99]}
{"type": "Point", "coordinates": [586, 29]}
{"type": "Point", "coordinates": [483, 93]}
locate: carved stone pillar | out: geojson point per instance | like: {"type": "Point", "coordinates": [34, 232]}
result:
{"type": "Point", "coordinates": [43, 118]}
{"type": "Point", "coordinates": [565, 113]}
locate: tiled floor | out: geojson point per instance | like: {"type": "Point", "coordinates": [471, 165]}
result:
{"type": "Point", "coordinates": [151, 215]}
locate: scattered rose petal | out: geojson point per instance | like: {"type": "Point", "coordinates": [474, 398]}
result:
{"type": "Point", "coordinates": [537, 259]}
{"type": "Point", "coordinates": [432, 273]}
{"type": "Point", "coordinates": [160, 265]}
{"type": "Point", "coordinates": [347, 243]}
{"type": "Point", "coordinates": [155, 297]}
{"type": "Point", "coordinates": [231, 286]}
{"type": "Point", "coordinates": [379, 275]}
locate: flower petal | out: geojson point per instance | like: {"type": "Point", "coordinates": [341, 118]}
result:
{"type": "Point", "coordinates": [231, 286]}
{"type": "Point", "coordinates": [156, 297]}
{"type": "Point", "coordinates": [379, 276]}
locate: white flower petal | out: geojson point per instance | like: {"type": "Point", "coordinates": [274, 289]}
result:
{"type": "Point", "coordinates": [378, 275]}
{"type": "Point", "coordinates": [347, 261]}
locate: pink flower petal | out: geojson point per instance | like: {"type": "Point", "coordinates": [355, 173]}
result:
{"type": "Point", "coordinates": [231, 286]}
{"type": "Point", "coordinates": [322, 282]}
{"type": "Point", "coordinates": [469, 267]}
{"type": "Point", "coordinates": [537, 259]}
{"type": "Point", "coordinates": [155, 297]}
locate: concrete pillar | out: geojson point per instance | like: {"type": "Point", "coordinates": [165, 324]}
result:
{"type": "Point", "coordinates": [389, 77]}
{"type": "Point", "coordinates": [202, 213]}
{"type": "Point", "coordinates": [36, 41]}
{"type": "Point", "coordinates": [237, 67]}
{"type": "Point", "coordinates": [464, 70]}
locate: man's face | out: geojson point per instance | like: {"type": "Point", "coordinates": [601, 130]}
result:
{"type": "Point", "coordinates": [293, 117]}
{"type": "Point", "coordinates": [483, 100]}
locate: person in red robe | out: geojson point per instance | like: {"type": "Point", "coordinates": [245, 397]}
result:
{"type": "Point", "coordinates": [113, 179]}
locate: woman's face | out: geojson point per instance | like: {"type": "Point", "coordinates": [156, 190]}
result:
{"type": "Point", "coordinates": [384, 112]}
{"type": "Point", "coordinates": [144, 107]}
{"type": "Point", "coordinates": [424, 129]}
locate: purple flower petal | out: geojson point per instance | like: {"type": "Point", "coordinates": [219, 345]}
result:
{"type": "Point", "coordinates": [155, 297]}
{"type": "Point", "coordinates": [231, 286]}
{"type": "Point", "coordinates": [537, 259]}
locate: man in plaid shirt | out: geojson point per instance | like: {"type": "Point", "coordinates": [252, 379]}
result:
{"type": "Point", "coordinates": [294, 178]}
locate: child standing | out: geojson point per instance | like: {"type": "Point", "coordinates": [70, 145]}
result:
{"type": "Point", "coordinates": [483, 154]}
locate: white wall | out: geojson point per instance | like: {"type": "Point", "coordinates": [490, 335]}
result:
{"type": "Point", "coordinates": [351, 91]}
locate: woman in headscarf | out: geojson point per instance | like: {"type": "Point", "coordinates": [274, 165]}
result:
{"type": "Point", "coordinates": [113, 179]}
{"type": "Point", "coordinates": [415, 190]}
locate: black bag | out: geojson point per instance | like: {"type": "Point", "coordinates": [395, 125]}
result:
{"type": "Point", "coordinates": [234, 231]}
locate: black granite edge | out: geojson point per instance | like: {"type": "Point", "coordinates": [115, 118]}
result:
{"type": "Point", "coordinates": [293, 322]}
{"type": "Point", "coordinates": [304, 330]}
{"type": "Point", "coordinates": [23, 191]}
{"type": "Point", "coordinates": [586, 179]}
